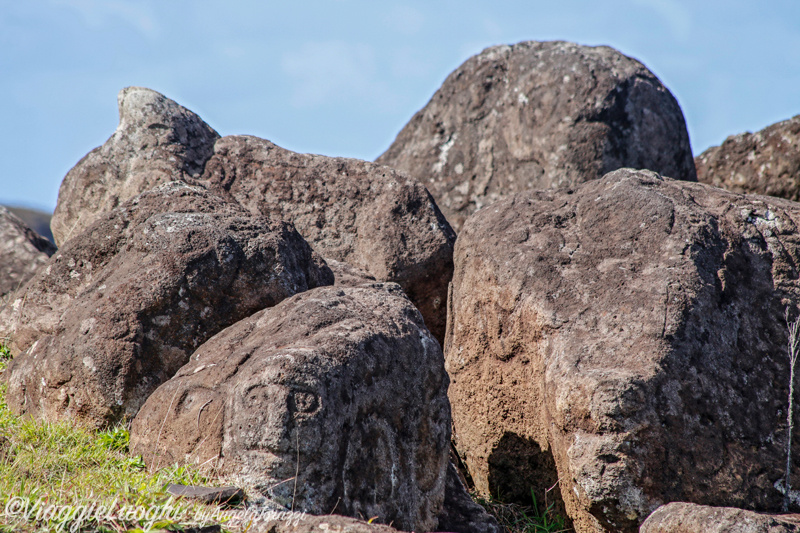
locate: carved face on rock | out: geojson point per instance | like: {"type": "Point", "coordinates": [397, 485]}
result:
{"type": "Point", "coordinates": [275, 413]}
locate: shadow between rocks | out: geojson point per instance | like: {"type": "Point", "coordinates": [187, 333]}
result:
{"type": "Point", "coordinates": [519, 469]}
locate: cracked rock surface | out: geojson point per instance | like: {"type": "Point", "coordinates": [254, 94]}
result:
{"type": "Point", "coordinates": [627, 339]}
{"type": "Point", "coordinates": [157, 141]}
{"type": "Point", "coordinates": [342, 386]}
{"type": "Point", "coordinates": [121, 307]}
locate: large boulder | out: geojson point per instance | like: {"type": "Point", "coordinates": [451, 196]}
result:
{"type": "Point", "coordinates": [360, 213]}
{"type": "Point", "coordinates": [157, 141]}
{"type": "Point", "coordinates": [22, 253]}
{"type": "Point", "coordinates": [334, 399]}
{"type": "Point", "coordinates": [625, 341]}
{"type": "Point", "coordinates": [368, 216]}
{"type": "Point", "coordinates": [121, 307]}
{"type": "Point", "coordinates": [765, 162]}
{"type": "Point", "coordinates": [680, 517]}
{"type": "Point", "coordinates": [537, 115]}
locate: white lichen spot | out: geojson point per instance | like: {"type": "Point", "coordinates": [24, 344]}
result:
{"type": "Point", "coordinates": [161, 320]}
{"type": "Point", "coordinates": [459, 168]}
{"type": "Point", "coordinates": [443, 149]}
{"type": "Point", "coordinates": [88, 363]}
{"type": "Point", "coordinates": [87, 325]}
{"type": "Point", "coordinates": [522, 99]}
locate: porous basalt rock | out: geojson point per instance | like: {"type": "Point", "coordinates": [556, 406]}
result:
{"type": "Point", "coordinates": [305, 523]}
{"type": "Point", "coordinates": [368, 216]}
{"type": "Point", "coordinates": [363, 214]}
{"type": "Point", "coordinates": [680, 517]}
{"type": "Point", "coordinates": [460, 513]}
{"type": "Point", "coordinates": [765, 162]}
{"type": "Point", "coordinates": [22, 253]}
{"type": "Point", "coordinates": [626, 339]}
{"type": "Point", "coordinates": [537, 115]}
{"type": "Point", "coordinates": [157, 141]}
{"type": "Point", "coordinates": [344, 388]}
{"type": "Point", "coordinates": [121, 307]}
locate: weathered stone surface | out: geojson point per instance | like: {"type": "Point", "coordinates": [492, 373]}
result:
{"type": "Point", "coordinates": [343, 387]}
{"type": "Point", "coordinates": [157, 141]}
{"type": "Point", "coordinates": [765, 162]}
{"type": "Point", "coordinates": [627, 339]}
{"type": "Point", "coordinates": [121, 307]}
{"type": "Point", "coordinates": [229, 494]}
{"type": "Point", "coordinates": [460, 513]}
{"type": "Point", "coordinates": [38, 221]}
{"type": "Point", "coordinates": [367, 215]}
{"type": "Point", "coordinates": [317, 524]}
{"type": "Point", "coordinates": [537, 115]}
{"type": "Point", "coordinates": [22, 253]}
{"type": "Point", "coordinates": [682, 517]}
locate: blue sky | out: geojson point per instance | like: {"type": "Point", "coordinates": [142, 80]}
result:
{"type": "Point", "coordinates": [342, 77]}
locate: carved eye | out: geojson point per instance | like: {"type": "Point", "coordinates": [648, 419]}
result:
{"type": "Point", "coordinates": [305, 402]}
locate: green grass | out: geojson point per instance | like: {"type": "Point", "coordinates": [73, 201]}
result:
{"type": "Point", "coordinates": [516, 518]}
{"type": "Point", "coordinates": [52, 473]}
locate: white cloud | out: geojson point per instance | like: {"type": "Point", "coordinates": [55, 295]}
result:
{"type": "Point", "coordinates": [101, 13]}
{"type": "Point", "coordinates": [331, 71]}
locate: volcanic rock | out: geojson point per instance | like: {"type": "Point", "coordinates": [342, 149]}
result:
{"type": "Point", "coordinates": [343, 388]}
{"type": "Point", "coordinates": [682, 517]}
{"type": "Point", "coordinates": [366, 215]}
{"type": "Point", "coordinates": [371, 217]}
{"type": "Point", "coordinates": [537, 115]}
{"type": "Point", "coordinates": [121, 307]}
{"type": "Point", "coordinates": [625, 342]}
{"type": "Point", "coordinates": [37, 220]}
{"type": "Point", "coordinates": [304, 523]}
{"type": "Point", "coordinates": [765, 162]}
{"type": "Point", "coordinates": [157, 141]}
{"type": "Point", "coordinates": [460, 513]}
{"type": "Point", "coordinates": [22, 252]}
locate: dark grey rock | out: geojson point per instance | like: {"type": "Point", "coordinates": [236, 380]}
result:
{"type": "Point", "coordinates": [207, 494]}
{"type": "Point", "coordinates": [121, 307]}
{"type": "Point", "coordinates": [460, 514]}
{"type": "Point", "coordinates": [342, 387]}
{"type": "Point", "coordinates": [765, 162]}
{"type": "Point", "coordinates": [157, 141]}
{"type": "Point", "coordinates": [537, 115]}
{"type": "Point", "coordinates": [366, 215]}
{"type": "Point", "coordinates": [22, 253]}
